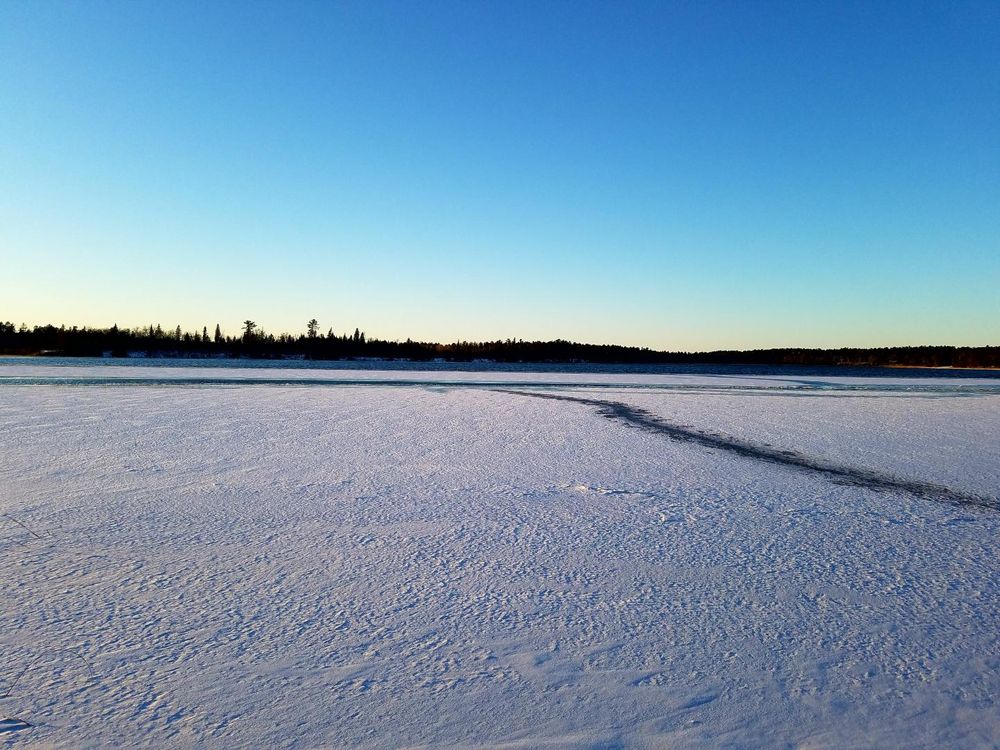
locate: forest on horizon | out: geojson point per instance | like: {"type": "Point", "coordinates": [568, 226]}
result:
{"type": "Point", "coordinates": [255, 343]}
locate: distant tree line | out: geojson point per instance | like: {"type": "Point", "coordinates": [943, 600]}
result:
{"type": "Point", "coordinates": [254, 342]}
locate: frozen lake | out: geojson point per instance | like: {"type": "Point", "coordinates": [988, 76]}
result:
{"type": "Point", "coordinates": [300, 557]}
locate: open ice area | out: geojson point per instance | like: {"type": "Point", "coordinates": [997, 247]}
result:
{"type": "Point", "coordinates": [273, 558]}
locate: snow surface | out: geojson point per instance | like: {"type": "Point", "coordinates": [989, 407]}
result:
{"type": "Point", "coordinates": [427, 565]}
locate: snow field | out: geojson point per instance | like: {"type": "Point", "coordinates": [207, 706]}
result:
{"type": "Point", "coordinates": [352, 566]}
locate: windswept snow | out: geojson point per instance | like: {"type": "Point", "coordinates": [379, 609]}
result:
{"type": "Point", "coordinates": [451, 562]}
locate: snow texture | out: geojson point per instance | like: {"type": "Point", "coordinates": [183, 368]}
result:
{"type": "Point", "coordinates": [458, 562]}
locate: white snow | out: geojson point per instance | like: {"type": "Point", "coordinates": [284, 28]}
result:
{"type": "Point", "coordinates": [429, 565]}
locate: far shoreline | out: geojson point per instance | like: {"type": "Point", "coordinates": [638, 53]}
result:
{"type": "Point", "coordinates": [929, 367]}
{"type": "Point", "coordinates": [297, 362]}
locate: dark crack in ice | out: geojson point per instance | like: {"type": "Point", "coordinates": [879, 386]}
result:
{"type": "Point", "coordinates": [838, 473]}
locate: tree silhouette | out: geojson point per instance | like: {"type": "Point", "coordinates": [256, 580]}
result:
{"type": "Point", "coordinates": [83, 341]}
{"type": "Point", "coordinates": [312, 326]}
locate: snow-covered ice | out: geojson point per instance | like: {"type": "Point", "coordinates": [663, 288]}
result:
{"type": "Point", "coordinates": [456, 562]}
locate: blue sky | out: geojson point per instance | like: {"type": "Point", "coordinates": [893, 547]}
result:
{"type": "Point", "coordinates": [678, 175]}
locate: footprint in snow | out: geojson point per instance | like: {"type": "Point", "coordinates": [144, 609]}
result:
{"type": "Point", "coordinates": [659, 678]}
{"type": "Point", "coordinates": [700, 700]}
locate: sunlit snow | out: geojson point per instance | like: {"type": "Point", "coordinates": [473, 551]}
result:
{"type": "Point", "coordinates": [271, 558]}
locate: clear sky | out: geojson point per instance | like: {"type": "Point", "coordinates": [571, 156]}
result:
{"type": "Point", "coordinates": [691, 175]}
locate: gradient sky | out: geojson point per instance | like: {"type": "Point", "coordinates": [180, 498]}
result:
{"type": "Point", "coordinates": [692, 175]}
